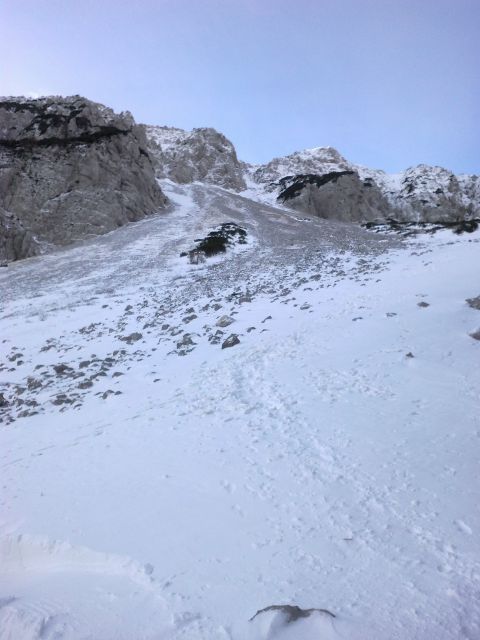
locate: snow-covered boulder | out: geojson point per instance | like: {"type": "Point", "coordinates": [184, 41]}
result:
{"type": "Point", "coordinates": [71, 168]}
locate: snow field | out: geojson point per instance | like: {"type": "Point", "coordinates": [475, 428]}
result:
{"type": "Point", "coordinates": [316, 463]}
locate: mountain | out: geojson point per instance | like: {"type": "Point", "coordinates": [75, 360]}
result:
{"type": "Point", "coordinates": [245, 418]}
{"type": "Point", "coordinates": [351, 192]}
{"type": "Point", "coordinates": [422, 193]}
{"type": "Point", "coordinates": [69, 169]}
{"type": "Point", "coordinates": [202, 155]}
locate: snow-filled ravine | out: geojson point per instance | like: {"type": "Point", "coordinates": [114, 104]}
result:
{"type": "Point", "coordinates": [156, 486]}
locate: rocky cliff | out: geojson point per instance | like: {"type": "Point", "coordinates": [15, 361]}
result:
{"type": "Point", "coordinates": [203, 155]}
{"type": "Point", "coordinates": [69, 169]}
{"type": "Point", "coordinates": [339, 195]}
{"type": "Point", "coordinates": [353, 192]}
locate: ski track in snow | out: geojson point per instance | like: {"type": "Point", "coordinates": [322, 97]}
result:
{"type": "Point", "coordinates": [157, 486]}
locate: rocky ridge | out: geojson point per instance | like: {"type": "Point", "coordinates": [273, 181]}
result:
{"type": "Point", "coordinates": [202, 155]}
{"type": "Point", "coordinates": [69, 169]}
{"type": "Point", "coordinates": [353, 192]}
{"type": "Point", "coordinates": [418, 194]}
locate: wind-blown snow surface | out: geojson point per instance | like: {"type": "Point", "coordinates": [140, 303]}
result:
{"type": "Point", "coordinates": [315, 463]}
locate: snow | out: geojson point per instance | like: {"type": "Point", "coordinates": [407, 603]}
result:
{"type": "Point", "coordinates": [317, 463]}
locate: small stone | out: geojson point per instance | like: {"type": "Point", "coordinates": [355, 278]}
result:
{"type": "Point", "coordinates": [474, 302]}
{"type": "Point", "coordinates": [224, 321]}
{"type": "Point", "coordinates": [409, 355]}
{"type": "Point", "coordinates": [231, 341]}
{"type": "Point", "coordinates": [422, 304]}
{"type": "Point", "coordinates": [62, 369]}
{"type": "Point", "coordinates": [133, 337]}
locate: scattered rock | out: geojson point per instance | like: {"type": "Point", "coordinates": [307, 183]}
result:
{"type": "Point", "coordinates": [3, 401]}
{"type": "Point", "coordinates": [231, 341]}
{"type": "Point", "coordinates": [224, 321]}
{"type": "Point", "coordinates": [133, 337]}
{"type": "Point", "coordinates": [62, 369]}
{"type": "Point", "coordinates": [475, 335]}
{"type": "Point", "coordinates": [62, 398]}
{"type": "Point", "coordinates": [86, 384]}
{"type": "Point", "coordinates": [34, 383]}
{"type": "Point", "coordinates": [186, 341]}
{"type": "Point", "coordinates": [423, 304]}
{"type": "Point", "coordinates": [409, 355]}
{"type": "Point", "coordinates": [474, 302]}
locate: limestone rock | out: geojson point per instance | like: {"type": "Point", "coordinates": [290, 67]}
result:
{"type": "Point", "coordinates": [224, 321]}
{"type": "Point", "coordinates": [231, 341]}
{"type": "Point", "coordinates": [341, 195]}
{"type": "Point", "coordinates": [203, 155]}
{"type": "Point", "coordinates": [69, 168]}
{"type": "Point", "coordinates": [419, 194]}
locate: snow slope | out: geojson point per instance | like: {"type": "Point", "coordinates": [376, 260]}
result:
{"type": "Point", "coordinates": [328, 460]}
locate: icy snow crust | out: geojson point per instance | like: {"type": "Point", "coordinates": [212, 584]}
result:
{"type": "Point", "coordinates": [328, 460]}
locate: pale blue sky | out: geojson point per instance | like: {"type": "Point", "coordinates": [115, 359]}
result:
{"type": "Point", "coordinates": [388, 83]}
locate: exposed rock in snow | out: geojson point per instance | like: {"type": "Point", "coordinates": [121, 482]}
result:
{"type": "Point", "coordinates": [69, 168]}
{"type": "Point", "coordinates": [15, 241]}
{"type": "Point", "coordinates": [319, 160]}
{"type": "Point", "coordinates": [434, 194]}
{"type": "Point", "coordinates": [339, 194]}
{"type": "Point", "coordinates": [202, 155]}
{"type": "Point", "coordinates": [421, 193]}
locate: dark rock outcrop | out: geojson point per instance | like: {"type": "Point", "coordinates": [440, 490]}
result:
{"type": "Point", "coordinates": [340, 195]}
{"type": "Point", "coordinates": [69, 169]}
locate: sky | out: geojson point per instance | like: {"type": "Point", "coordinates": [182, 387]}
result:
{"type": "Point", "coordinates": [389, 83]}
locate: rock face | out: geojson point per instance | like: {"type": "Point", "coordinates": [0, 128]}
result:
{"type": "Point", "coordinates": [434, 194]}
{"type": "Point", "coordinates": [340, 195]}
{"type": "Point", "coordinates": [422, 193]}
{"type": "Point", "coordinates": [15, 241]}
{"type": "Point", "coordinates": [69, 168]}
{"type": "Point", "coordinates": [203, 155]}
